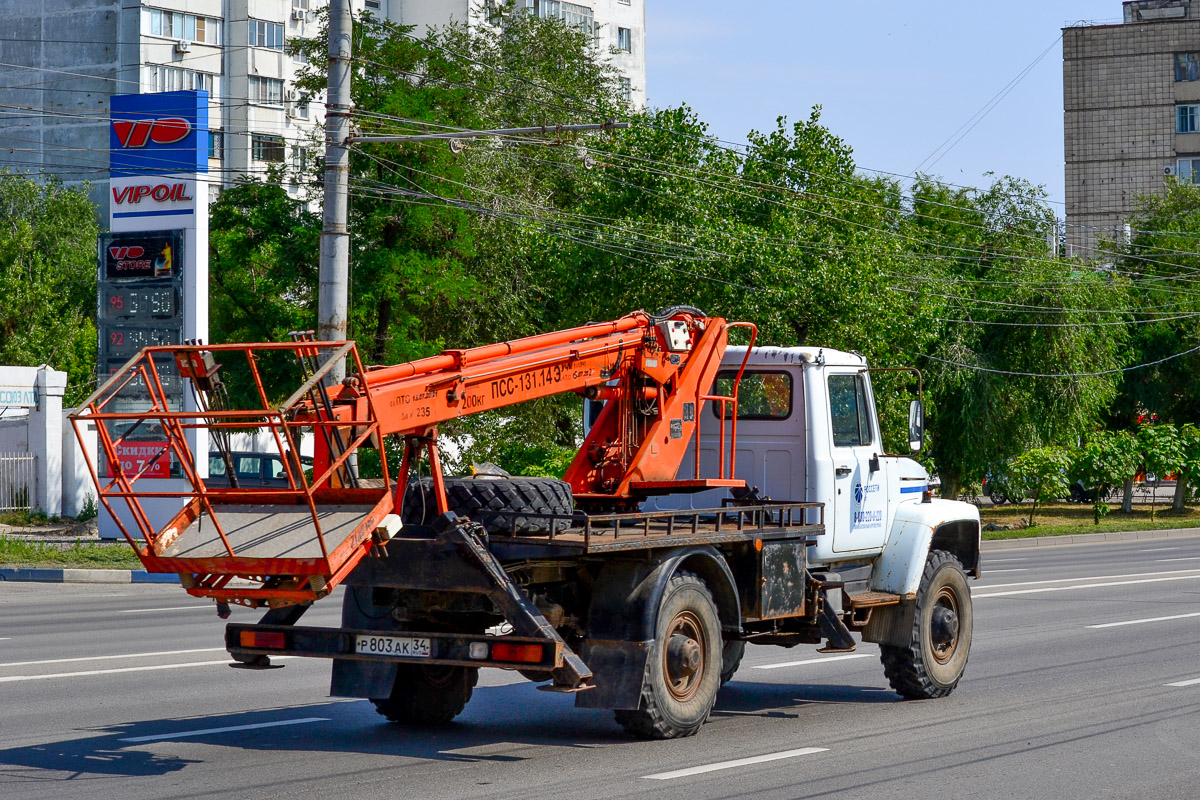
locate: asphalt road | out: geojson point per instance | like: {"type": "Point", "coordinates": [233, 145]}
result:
{"type": "Point", "coordinates": [123, 692]}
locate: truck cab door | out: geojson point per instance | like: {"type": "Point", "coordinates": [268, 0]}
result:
{"type": "Point", "coordinates": [860, 497]}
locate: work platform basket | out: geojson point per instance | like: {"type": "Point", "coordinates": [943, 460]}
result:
{"type": "Point", "coordinates": [247, 542]}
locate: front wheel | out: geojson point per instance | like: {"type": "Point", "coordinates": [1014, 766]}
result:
{"type": "Point", "coordinates": [933, 661]}
{"type": "Point", "coordinates": [683, 673]}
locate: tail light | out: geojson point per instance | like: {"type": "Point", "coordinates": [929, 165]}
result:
{"type": "Point", "coordinates": [262, 640]}
{"type": "Point", "coordinates": [521, 653]}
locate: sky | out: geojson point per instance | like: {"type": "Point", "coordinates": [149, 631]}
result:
{"type": "Point", "coordinates": [895, 80]}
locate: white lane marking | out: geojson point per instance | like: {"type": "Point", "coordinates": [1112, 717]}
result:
{"type": "Point", "coordinates": [999, 560]}
{"type": "Point", "coordinates": [1083, 586]}
{"type": "Point", "coordinates": [1184, 558]}
{"type": "Point", "coordinates": [1139, 621]}
{"type": "Point", "coordinates": [813, 661]}
{"type": "Point", "coordinates": [1192, 682]}
{"type": "Point", "coordinates": [170, 608]}
{"type": "Point", "coordinates": [206, 731]}
{"type": "Point", "coordinates": [4, 638]}
{"type": "Point", "coordinates": [1093, 578]}
{"type": "Point", "coordinates": [1007, 569]}
{"type": "Point", "coordinates": [1159, 549]}
{"type": "Point", "coordinates": [108, 658]}
{"type": "Point", "coordinates": [737, 762]}
{"type": "Point", "coordinates": [92, 672]}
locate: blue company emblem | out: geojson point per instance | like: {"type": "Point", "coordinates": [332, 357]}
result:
{"type": "Point", "coordinates": [861, 491]}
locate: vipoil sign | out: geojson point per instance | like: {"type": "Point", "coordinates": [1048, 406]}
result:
{"type": "Point", "coordinates": [153, 273]}
{"type": "Point", "coordinates": [158, 143]}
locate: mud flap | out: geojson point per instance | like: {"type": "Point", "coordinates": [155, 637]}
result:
{"type": "Point", "coordinates": [891, 624]}
{"type": "Point", "coordinates": [619, 669]}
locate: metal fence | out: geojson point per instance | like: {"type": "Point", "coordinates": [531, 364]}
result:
{"type": "Point", "coordinates": [17, 481]}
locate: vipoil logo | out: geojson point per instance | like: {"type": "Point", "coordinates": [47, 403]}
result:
{"type": "Point", "coordinates": [140, 132]}
{"type": "Point", "coordinates": [122, 253]}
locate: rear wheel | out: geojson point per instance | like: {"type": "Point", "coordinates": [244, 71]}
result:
{"type": "Point", "coordinates": [684, 671]}
{"type": "Point", "coordinates": [428, 695]}
{"type": "Point", "coordinates": [933, 661]}
{"type": "Point", "coordinates": [480, 498]}
{"type": "Point", "coordinates": [731, 659]}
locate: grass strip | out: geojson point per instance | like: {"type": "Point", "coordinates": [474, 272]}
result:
{"type": "Point", "coordinates": [80, 555]}
{"type": "Point", "coordinates": [1067, 519]}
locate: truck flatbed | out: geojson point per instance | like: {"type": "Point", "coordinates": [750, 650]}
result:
{"type": "Point", "coordinates": [605, 533]}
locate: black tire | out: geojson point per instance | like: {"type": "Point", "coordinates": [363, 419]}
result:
{"type": "Point", "coordinates": [479, 498]}
{"type": "Point", "coordinates": [933, 661]}
{"type": "Point", "coordinates": [731, 659]}
{"type": "Point", "coordinates": [675, 701]}
{"type": "Point", "coordinates": [428, 695]}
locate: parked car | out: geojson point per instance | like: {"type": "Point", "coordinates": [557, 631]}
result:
{"type": "Point", "coordinates": [252, 469]}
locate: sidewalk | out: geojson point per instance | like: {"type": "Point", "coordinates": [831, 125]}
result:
{"type": "Point", "coordinates": [1087, 538]}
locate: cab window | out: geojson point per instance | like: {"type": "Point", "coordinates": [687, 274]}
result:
{"type": "Point", "coordinates": [849, 410]}
{"type": "Point", "coordinates": [761, 395]}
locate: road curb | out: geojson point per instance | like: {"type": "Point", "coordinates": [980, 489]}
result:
{"type": "Point", "coordinates": [1087, 538]}
{"type": "Point", "coordinates": [20, 575]}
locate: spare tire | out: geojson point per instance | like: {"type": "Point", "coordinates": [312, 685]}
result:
{"type": "Point", "coordinates": [520, 500]}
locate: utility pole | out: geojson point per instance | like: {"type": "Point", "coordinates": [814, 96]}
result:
{"type": "Point", "coordinates": [333, 297]}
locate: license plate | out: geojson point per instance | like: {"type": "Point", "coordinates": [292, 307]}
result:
{"type": "Point", "coordinates": [411, 646]}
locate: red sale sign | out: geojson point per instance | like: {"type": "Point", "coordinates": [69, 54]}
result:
{"type": "Point", "coordinates": [135, 456]}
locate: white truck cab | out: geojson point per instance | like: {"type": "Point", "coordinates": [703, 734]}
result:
{"type": "Point", "coordinates": [808, 430]}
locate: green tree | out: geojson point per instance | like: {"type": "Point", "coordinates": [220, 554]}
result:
{"type": "Point", "coordinates": [1189, 439]}
{"type": "Point", "coordinates": [48, 279]}
{"type": "Point", "coordinates": [1107, 459]}
{"type": "Point", "coordinates": [1040, 474]}
{"type": "Point", "coordinates": [1162, 452]}
{"type": "Point", "coordinates": [1010, 312]}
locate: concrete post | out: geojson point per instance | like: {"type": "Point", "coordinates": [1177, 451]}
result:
{"type": "Point", "coordinates": [334, 276]}
{"type": "Point", "coordinates": [45, 439]}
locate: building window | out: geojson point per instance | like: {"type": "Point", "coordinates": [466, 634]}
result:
{"type": "Point", "coordinates": [581, 17]}
{"type": "Point", "coordinates": [173, 79]}
{"type": "Point", "coordinates": [216, 143]}
{"type": "Point", "coordinates": [304, 4]}
{"type": "Point", "coordinates": [625, 40]}
{"type": "Point", "coordinates": [266, 90]}
{"type": "Point", "coordinates": [623, 2]}
{"type": "Point", "coordinates": [625, 89]}
{"type": "Point", "coordinates": [266, 148]}
{"type": "Point", "coordinates": [373, 4]}
{"type": "Point", "coordinates": [302, 108]}
{"type": "Point", "coordinates": [1185, 118]}
{"type": "Point", "coordinates": [299, 158]}
{"type": "Point", "coordinates": [266, 34]}
{"type": "Point", "coordinates": [1188, 169]}
{"type": "Point", "coordinates": [1187, 66]}
{"type": "Point", "coordinates": [176, 25]}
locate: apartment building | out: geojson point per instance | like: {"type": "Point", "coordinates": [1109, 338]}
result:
{"type": "Point", "coordinates": [1131, 100]}
{"type": "Point", "coordinates": [61, 60]}
{"type": "Point", "coordinates": [617, 26]}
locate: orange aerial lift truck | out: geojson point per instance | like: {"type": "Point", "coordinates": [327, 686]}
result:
{"type": "Point", "coordinates": [634, 583]}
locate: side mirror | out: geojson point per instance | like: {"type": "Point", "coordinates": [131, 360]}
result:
{"type": "Point", "coordinates": [916, 426]}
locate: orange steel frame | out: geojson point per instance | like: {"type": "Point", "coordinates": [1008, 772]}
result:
{"type": "Point", "coordinates": [282, 580]}
{"type": "Point", "coordinates": [654, 400]}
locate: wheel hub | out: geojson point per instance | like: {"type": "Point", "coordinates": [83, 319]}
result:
{"type": "Point", "coordinates": [943, 626]}
{"type": "Point", "coordinates": [683, 658]}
